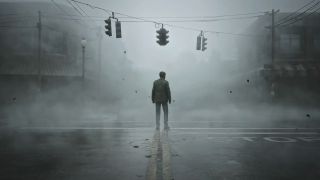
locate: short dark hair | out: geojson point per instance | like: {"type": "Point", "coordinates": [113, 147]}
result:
{"type": "Point", "coordinates": [162, 74]}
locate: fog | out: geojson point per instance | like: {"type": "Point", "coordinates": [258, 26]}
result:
{"type": "Point", "coordinates": [205, 84]}
{"type": "Point", "coordinates": [76, 103]}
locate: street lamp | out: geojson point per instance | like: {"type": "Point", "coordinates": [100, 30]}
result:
{"type": "Point", "coordinates": [83, 45]}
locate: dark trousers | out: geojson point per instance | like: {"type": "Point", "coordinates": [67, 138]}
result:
{"type": "Point", "coordinates": [165, 111]}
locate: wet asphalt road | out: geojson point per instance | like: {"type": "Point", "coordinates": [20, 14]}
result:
{"type": "Point", "coordinates": [199, 146]}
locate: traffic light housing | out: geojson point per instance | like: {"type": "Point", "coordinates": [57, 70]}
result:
{"type": "Point", "coordinates": [162, 37]}
{"type": "Point", "coordinates": [108, 27]}
{"type": "Point", "coordinates": [118, 29]}
{"type": "Point", "coordinates": [204, 43]}
{"type": "Point", "coordinates": [199, 42]}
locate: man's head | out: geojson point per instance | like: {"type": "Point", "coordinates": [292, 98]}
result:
{"type": "Point", "coordinates": [162, 75]}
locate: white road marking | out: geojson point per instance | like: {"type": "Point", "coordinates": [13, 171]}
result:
{"type": "Point", "coordinates": [151, 173]}
{"type": "Point", "coordinates": [251, 139]}
{"type": "Point", "coordinates": [252, 128]}
{"type": "Point", "coordinates": [88, 128]}
{"type": "Point", "coordinates": [166, 157]}
{"type": "Point", "coordinates": [280, 139]}
{"type": "Point", "coordinates": [160, 162]}
{"type": "Point", "coordinates": [309, 139]}
{"type": "Point", "coordinates": [129, 121]}
{"type": "Point", "coordinates": [270, 139]}
{"type": "Point", "coordinates": [138, 128]}
{"type": "Point", "coordinates": [241, 133]}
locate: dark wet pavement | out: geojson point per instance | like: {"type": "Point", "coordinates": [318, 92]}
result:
{"type": "Point", "coordinates": [201, 145]}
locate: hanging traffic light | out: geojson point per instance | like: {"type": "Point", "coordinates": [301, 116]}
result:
{"type": "Point", "coordinates": [162, 37]}
{"type": "Point", "coordinates": [108, 27]}
{"type": "Point", "coordinates": [204, 43]}
{"type": "Point", "coordinates": [118, 29]}
{"type": "Point", "coordinates": [199, 42]}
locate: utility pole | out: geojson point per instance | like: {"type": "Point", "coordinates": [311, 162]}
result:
{"type": "Point", "coordinates": [272, 37]}
{"type": "Point", "coordinates": [99, 59]}
{"type": "Point", "coordinates": [83, 61]}
{"type": "Point", "coordinates": [39, 26]}
{"type": "Point", "coordinates": [83, 45]}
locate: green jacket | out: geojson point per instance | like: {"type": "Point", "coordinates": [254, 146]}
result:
{"type": "Point", "coordinates": [161, 91]}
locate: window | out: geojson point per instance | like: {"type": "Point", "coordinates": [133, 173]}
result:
{"type": "Point", "coordinates": [290, 43]}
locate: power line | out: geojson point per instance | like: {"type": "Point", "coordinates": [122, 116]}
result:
{"type": "Point", "coordinates": [178, 17]}
{"type": "Point", "coordinates": [84, 12]}
{"type": "Point", "coordinates": [170, 25]}
{"type": "Point", "coordinates": [155, 22]}
{"type": "Point", "coordinates": [81, 9]}
{"type": "Point", "coordinates": [298, 15]}
{"type": "Point", "coordinates": [64, 11]}
{"type": "Point", "coordinates": [200, 17]}
{"type": "Point", "coordinates": [303, 17]}
{"type": "Point", "coordinates": [136, 21]}
{"type": "Point", "coordinates": [77, 10]}
{"type": "Point", "coordinates": [151, 17]}
{"type": "Point", "coordinates": [286, 17]}
{"type": "Point", "coordinates": [203, 20]}
{"type": "Point", "coordinates": [93, 7]}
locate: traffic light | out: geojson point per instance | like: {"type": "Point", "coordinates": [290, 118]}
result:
{"type": "Point", "coordinates": [199, 43]}
{"type": "Point", "coordinates": [204, 43]}
{"type": "Point", "coordinates": [118, 29]}
{"type": "Point", "coordinates": [162, 37]}
{"type": "Point", "coordinates": [108, 27]}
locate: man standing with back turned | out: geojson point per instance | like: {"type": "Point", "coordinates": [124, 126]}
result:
{"type": "Point", "coordinates": [161, 95]}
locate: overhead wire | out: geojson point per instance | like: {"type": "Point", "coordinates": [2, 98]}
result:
{"type": "Point", "coordinates": [178, 17]}
{"type": "Point", "coordinates": [81, 9]}
{"type": "Point", "coordinates": [292, 14]}
{"type": "Point", "coordinates": [93, 7]}
{"type": "Point", "coordinates": [201, 20]}
{"type": "Point", "coordinates": [65, 12]}
{"type": "Point", "coordinates": [201, 17]}
{"type": "Point", "coordinates": [77, 10]}
{"type": "Point", "coordinates": [157, 23]}
{"type": "Point", "coordinates": [301, 18]}
{"type": "Point", "coordinates": [99, 18]}
{"type": "Point", "coordinates": [299, 15]}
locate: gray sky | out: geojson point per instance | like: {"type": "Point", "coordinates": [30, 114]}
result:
{"type": "Point", "coordinates": [140, 41]}
{"type": "Point", "coordinates": [140, 38]}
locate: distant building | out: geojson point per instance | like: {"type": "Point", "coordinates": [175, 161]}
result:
{"type": "Point", "coordinates": [60, 52]}
{"type": "Point", "coordinates": [296, 52]}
